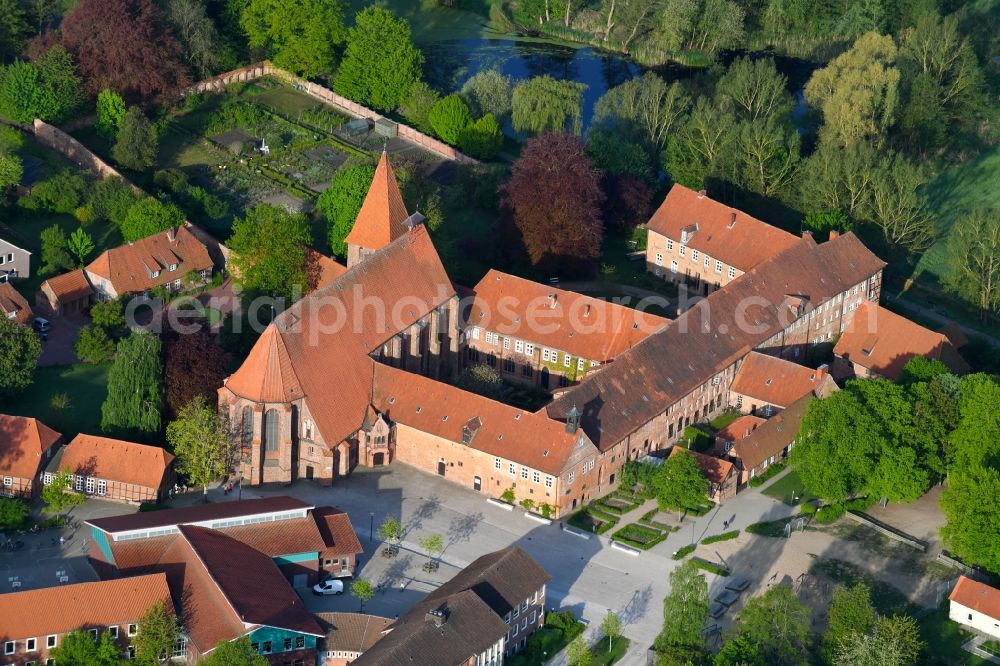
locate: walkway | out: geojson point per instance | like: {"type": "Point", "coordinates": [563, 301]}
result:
{"type": "Point", "coordinates": [925, 311]}
{"type": "Point", "coordinates": [973, 647]}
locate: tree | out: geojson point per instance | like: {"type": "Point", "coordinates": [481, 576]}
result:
{"type": "Point", "coordinates": [80, 245]}
{"type": "Point", "coordinates": [578, 654]}
{"type": "Point", "coordinates": [194, 365]}
{"type": "Point", "coordinates": [268, 251]}
{"type": "Point", "coordinates": [13, 513]}
{"type": "Point", "coordinates": [685, 610]}
{"type": "Point", "coordinates": [680, 483]}
{"type": "Point", "coordinates": [756, 89]}
{"type": "Point", "coordinates": [158, 630]}
{"type": "Point", "coordinates": [851, 612]}
{"type": "Point", "coordinates": [449, 118]}
{"type": "Point", "coordinates": [235, 653]}
{"type": "Point", "coordinates": [12, 28]}
{"type": "Point", "coordinates": [489, 92]}
{"type": "Point", "coordinates": [55, 254]}
{"type": "Point", "coordinates": [700, 145]}
{"type": "Point", "coordinates": [80, 648]}
{"type": "Point", "coordinates": [58, 495]}
{"type": "Point", "coordinates": [778, 624]}
{"type": "Point", "coordinates": [93, 345]}
{"type": "Point", "coordinates": [199, 440]}
{"type": "Point", "coordinates": [203, 47]}
{"type": "Point", "coordinates": [110, 113]}
{"type": "Point", "coordinates": [611, 627]}
{"type": "Point", "coordinates": [923, 120]}
{"type": "Point", "coordinates": [136, 145]}
{"type": "Point", "coordinates": [135, 392]}
{"type": "Point", "coordinates": [543, 104]}
{"type": "Point", "coordinates": [61, 85]}
{"type": "Point", "coordinates": [896, 207]}
{"type": "Point", "coordinates": [857, 91]}
{"type": "Point", "coordinates": [739, 651]}
{"type": "Point", "coordinates": [839, 180]}
{"type": "Point", "coordinates": [381, 64]}
{"type": "Point", "coordinates": [48, 88]}
{"type": "Point", "coordinates": [62, 192]}
{"type": "Point", "coordinates": [341, 202]}
{"type": "Point", "coordinates": [146, 62]}
{"type": "Point", "coordinates": [646, 105]}
{"type": "Point", "coordinates": [362, 590]}
{"type": "Point", "coordinates": [417, 107]}
{"type": "Point", "coordinates": [432, 545]}
{"type": "Point", "coordinates": [482, 139]}
{"type": "Point", "coordinates": [112, 199]}
{"type": "Point", "coordinates": [766, 155]}
{"type": "Point", "coordinates": [298, 35]}
{"type": "Point", "coordinates": [149, 216]}
{"type": "Point", "coordinates": [110, 315]}
{"type": "Point", "coordinates": [11, 170]}
{"type": "Point", "coordinates": [19, 352]}
{"type": "Point", "coordinates": [554, 198]}
{"type": "Point", "coordinates": [973, 268]}
{"type": "Point", "coordinates": [894, 641]}
{"type": "Point", "coordinates": [391, 530]}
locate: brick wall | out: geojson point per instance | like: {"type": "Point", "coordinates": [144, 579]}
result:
{"type": "Point", "coordinates": [261, 69]}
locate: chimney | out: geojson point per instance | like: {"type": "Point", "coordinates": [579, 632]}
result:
{"type": "Point", "coordinates": [821, 372]}
{"type": "Point", "coordinates": [732, 220]}
{"type": "Point", "coordinates": [834, 233]}
{"type": "Point", "coordinates": [437, 616]}
{"type": "Point", "coordinates": [552, 300]}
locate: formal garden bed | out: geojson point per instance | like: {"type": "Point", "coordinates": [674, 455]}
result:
{"type": "Point", "coordinates": [616, 505]}
{"type": "Point", "coordinates": [639, 536]}
{"type": "Point", "coordinates": [591, 519]}
{"type": "Point", "coordinates": [725, 536]}
{"type": "Point", "coordinates": [649, 519]}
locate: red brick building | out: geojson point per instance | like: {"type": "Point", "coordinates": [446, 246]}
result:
{"type": "Point", "coordinates": [705, 244]}
{"type": "Point", "coordinates": [769, 443]}
{"type": "Point", "coordinates": [26, 446]}
{"type": "Point", "coordinates": [545, 336]}
{"type": "Point", "coordinates": [765, 384]}
{"type": "Point", "coordinates": [33, 622]}
{"type": "Point", "coordinates": [114, 469]}
{"type": "Point", "coordinates": [64, 294]}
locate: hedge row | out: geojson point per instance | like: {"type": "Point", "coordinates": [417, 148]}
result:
{"type": "Point", "coordinates": [725, 536]}
{"type": "Point", "coordinates": [711, 567]}
{"type": "Point", "coordinates": [683, 552]}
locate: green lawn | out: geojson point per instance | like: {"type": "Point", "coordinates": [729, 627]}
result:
{"type": "Point", "coordinates": [560, 628]}
{"type": "Point", "coordinates": [724, 419]}
{"type": "Point", "coordinates": [604, 657]}
{"type": "Point", "coordinates": [87, 389]}
{"type": "Point", "coordinates": [787, 488]}
{"type": "Point", "coordinates": [944, 640]}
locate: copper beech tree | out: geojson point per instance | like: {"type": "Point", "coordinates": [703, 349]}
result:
{"type": "Point", "coordinates": [554, 202]}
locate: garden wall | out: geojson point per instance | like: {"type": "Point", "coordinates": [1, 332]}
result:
{"type": "Point", "coordinates": [327, 96]}
{"type": "Point", "coordinates": [65, 145]}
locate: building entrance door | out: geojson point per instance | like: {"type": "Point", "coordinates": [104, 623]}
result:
{"type": "Point", "coordinates": [477, 484]}
{"type": "Point", "coordinates": [441, 468]}
{"type": "Point", "coordinates": [378, 459]}
{"type": "Point", "coordinates": [309, 472]}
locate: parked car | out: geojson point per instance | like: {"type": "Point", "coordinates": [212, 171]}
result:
{"type": "Point", "coordinates": [329, 586]}
{"type": "Point", "coordinates": [41, 325]}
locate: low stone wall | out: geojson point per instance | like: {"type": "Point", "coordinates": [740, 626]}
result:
{"type": "Point", "coordinates": [327, 96]}
{"type": "Point", "coordinates": [887, 530]}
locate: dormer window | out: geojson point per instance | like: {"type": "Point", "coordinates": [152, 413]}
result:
{"type": "Point", "coordinates": [154, 274]}
{"type": "Point", "coordinates": [172, 267]}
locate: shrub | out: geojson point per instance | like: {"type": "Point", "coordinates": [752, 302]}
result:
{"type": "Point", "coordinates": [829, 513]}
{"type": "Point", "coordinates": [527, 504]}
{"type": "Point", "coordinates": [725, 536]}
{"type": "Point", "coordinates": [110, 113]}
{"type": "Point", "coordinates": [94, 346]}
{"type": "Point", "coordinates": [768, 474]}
{"type": "Point", "coordinates": [859, 504]}
{"type": "Point", "coordinates": [482, 139]}
{"type": "Point", "coordinates": [84, 214]}
{"type": "Point", "coordinates": [418, 106]}
{"type": "Point", "coordinates": [711, 567]}
{"type": "Point", "coordinates": [545, 510]}
{"type": "Point", "coordinates": [771, 528]}
{"type": "Point", "coordinates": [61, 193]}
{"type": "Point", "coordinates": [808, 508]}
{"type": "Point", "coordinates": [683, 552]}
{"type": "Point", "coordinates": [507, 496]}
{"type": "Point", "coordinates": [449, 118]}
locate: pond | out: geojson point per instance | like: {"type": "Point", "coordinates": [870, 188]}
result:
{"type": "Point", "coordinates": [450, 63]}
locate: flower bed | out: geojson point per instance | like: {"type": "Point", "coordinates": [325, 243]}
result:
{"type": "Point", "coordinates": [647, 520]}
{"type": "Point", "coordinates": [725, 536]}
{"type": "Point", "coordinates": [590, 520]}
{"type": "Point", "coordinates": [615, 505]}
{"type": "Point", "coordinates": [639, 536]}
{"type": "Point", "coordinates": [683, 552]}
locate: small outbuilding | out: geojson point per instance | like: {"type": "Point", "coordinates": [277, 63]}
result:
{"type": "Point", "coordinates": [976, 605]}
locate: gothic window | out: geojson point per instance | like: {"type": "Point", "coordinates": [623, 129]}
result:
{"type": "Point", "coordinates": [270, 430]}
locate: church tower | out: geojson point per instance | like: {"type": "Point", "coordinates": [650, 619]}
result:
{"type": "Point", "coordinates": [380, 220]}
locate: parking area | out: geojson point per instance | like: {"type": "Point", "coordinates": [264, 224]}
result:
{"type": "Point", "coordinates": [58, 349]}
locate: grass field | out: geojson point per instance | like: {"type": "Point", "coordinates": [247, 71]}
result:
{"type": "Point", "coordinates": [787, 488]}
{"type": "Point", "coordinates": [944, 640]}
{"type": "Point", "coordinates": [87, 386]}
{"type": "Point", "coordinates": [603, 656]}
{"type": "Point", "coordinates": [955, 191]}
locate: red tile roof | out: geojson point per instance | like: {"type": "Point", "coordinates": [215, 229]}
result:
{"type": "Point", "coordinates": [580, 325]}
{"type": "Point", "coordinates": [330, 333]}
{"type": "Point", "coordinates": [530, 438]}
{"type": "Point", "coordinates": [23, 443]}
{"type": "Point", "coordinates": [716, 470]}
{"type": "Point", "coordinates": [883, 342]}
{"type": "Point", "coordinates": [58, 610]}
{"type": "Point", "coordinates": [114, 460]}
{"type": "Point", "coordinates": [322, 270]}
{"type": "Point", "coordinates": [778, 382]}
{"type": "Point", "coordinates": [975, 595]}
{"type": "Point", "coordinates": [279, 537]}
{"type": "Point", "coordinates": [13, 305]}
{"type": "Point", "coordinates": [129, 267]}
{"type": "Point", "coordinates": [712, 335]}
{"type": "Point", "coordinates": [721, 232]}
{"type": "Point", "coordinates": [770, 438]}
{"type": "Point", "coordinates": [380, 220]}
{"type": "Point", "coordinates": [69, 286]}
{"type": "Point", "coordinates": [350, 632]}
{"type": "Point", "coordinates": [337, 531]}
{"type": "Point", "coordinates": [740, 428]}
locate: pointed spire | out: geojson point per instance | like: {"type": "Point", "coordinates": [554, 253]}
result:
{"type": "Point", "coordinates": [380, 220]}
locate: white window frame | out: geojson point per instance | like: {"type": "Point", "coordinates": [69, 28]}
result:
{"type": "Point", "coordinates": [682, 250]}
{"type": "Point", "coordinates": [524, 472]}
{"type": "Point", "coordinates": [10, 647]}
{"type": "Point", "coordinates": [536, 477]}
{"type": "Point", "coordinates": [659, 259]}
{"type": "Point", "coordinates": [580, 364]}
{"type": "Point", "coordinates": [567, 361]}
{"type": "Point", "coordinates": [519, 346]}
{"type": "Point", "coordinates": [475, 332]}
{"type": "Point", "coordinates": [529, 349]}
{"type": "Point", "coordinates": [506, 343]}
{"type": "Point", "coordinates": [673, 266]}
{"type": "Point", "coordinates": [497, 464]}
{"type": "Point", "coordinates": [79, 482]}
{"type": "Point", "coordinates": [718, 266]}
{"type": "Point", "coordinates": [732, 273]}
{"type": "Point", "coordinates": [102, 489]}
{"type": "Point", "coordinates": [91, 485]}
{"type": "Point", "coordinates": [8, 481]}
{"type": "Point", "coordinates": [670, 244]}
{"type": "Point", "coordinates": [113, 630]}
{"type": "Point", "coordinates": [31, 645]}
{"type": "Point", "coordinates": [571, 477]}
{"type": "Point", "coordinates": [708, 261]}
{"type": "Point", "coordinates": [694, 256]}
{"type": "Point", "coordinates": [548, 481]}
{"type": "Point", "coordinates": [512, 469]}
{"type": "Point", "coordinates": [51, 641]}
{"type": "Point", "coordinates": [133, 629]}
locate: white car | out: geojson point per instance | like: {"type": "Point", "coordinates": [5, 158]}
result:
{"type": "Point", "coordinates": [331, 586]}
